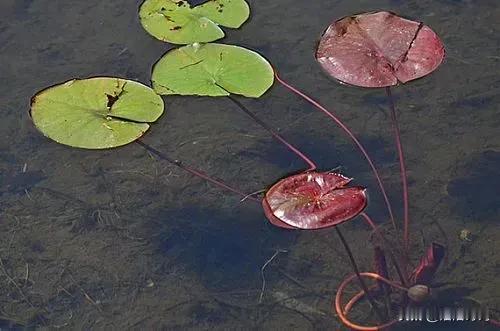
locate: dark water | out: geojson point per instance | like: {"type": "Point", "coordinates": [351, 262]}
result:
{"type": "Point", "coordinates": [118, 240]}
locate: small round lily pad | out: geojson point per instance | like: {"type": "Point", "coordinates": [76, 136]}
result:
{"type": "Point", "coordinates": [95, 113]}
{"type": "Point", "coordinates": [313, 200]}
{"type": "Point", "coordinates": [212, 70]}
{"type": "Point", "coordinates": [175, 21]}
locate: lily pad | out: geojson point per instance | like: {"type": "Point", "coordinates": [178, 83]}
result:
{"type": "Point", "coordinates": [175, 21]}
{"type": "Point", "coordinates": [313, 200]}
{"type": "Point", "coordinates": [95, 113]}
{"type": "Point", "coordinates": [212, 70]}
{"type": "Point", "coordinates": [379, 49]}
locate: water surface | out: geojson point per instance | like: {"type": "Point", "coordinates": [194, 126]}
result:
{"type": "Point", "coordinates": [118, 240]}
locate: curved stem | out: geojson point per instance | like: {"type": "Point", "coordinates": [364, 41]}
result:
{"type": "Point", "coordinates": [194, 172]}
{"type": "Point", "coordinates": [350, 134]}
{"type": "Point", "coordinates": [342, 312]}
{"type": "Point", "coordinates": [277, 136]}
{"type": "Point", "coordinates": [381, 236]}
{"type": "Point", "coordinates": [402, 167]}
{"type": "Point", "coordinates": [355, 299]}
{"type": "Point", "coordinates": [357, 274]}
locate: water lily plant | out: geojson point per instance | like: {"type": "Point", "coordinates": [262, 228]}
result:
{"type": "Point", "coordinates": [377, 49]}
{"type": "Point", "coordinates": [381, 49]}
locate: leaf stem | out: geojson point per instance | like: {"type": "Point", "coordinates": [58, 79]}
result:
{"type": "Point", "coordinates": [277, 136]}
{"type": "Point", "coordinates": [392, 256]}
{"type": "Point", "coordinates": [350, 134]}
{"type": "Point", "coordinates": [356, 271]}
{"type": "Point", "coordinates": [402, 167]}
{"type": "Point", "coordinates": [195, 172]}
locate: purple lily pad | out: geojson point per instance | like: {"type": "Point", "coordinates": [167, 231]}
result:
{"type": "Point", "coordinates": [379, 49]}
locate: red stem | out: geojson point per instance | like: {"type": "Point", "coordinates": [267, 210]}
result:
{"type": "Point", "coordinates": [350, 134]}
{"type": "Point", "coordinates": [195, 172]}
{"type": "Point", "coordinates": [342, 312]}
{"type": "Point", "coordinates": [358, 274]}
{"type": "Point", "coordinates": [402, 167]}
{"type": "Point", "coordinates": [277, 136]}
{"type": "Point", "coordinates": [401, 272]}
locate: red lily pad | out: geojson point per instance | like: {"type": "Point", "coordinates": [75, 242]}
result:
{"type": "Point", "coordinates": [379, 49]}
{"type": "Point", "coordinates": [313, 200]}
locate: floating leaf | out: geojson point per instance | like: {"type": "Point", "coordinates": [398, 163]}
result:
{"type": "Point", "coordinates": [212, 70]}
{"type": "Point", "coordinates": [379, 49]}
{"type": "Point", "coordinates": [313, 200]}
{"type": "Point", "coordinates": [95, 113]}
{"type": "Point", "coordinates": [175, 21]}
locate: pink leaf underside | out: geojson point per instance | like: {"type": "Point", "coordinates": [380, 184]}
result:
{"type": "Point", "coordinates": [428, 265]}
{"type": "Point", "coordinates": [313, 200]}
{"type": "Point", "coordinates": [379, 49]}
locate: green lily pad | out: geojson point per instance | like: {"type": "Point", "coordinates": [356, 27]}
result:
{"type": "Point", "coordinates": [95, 113]}
{"type": "Point", "coordinates": [175, 21]}
{"type": "Point", "coordinates": [212, 70]}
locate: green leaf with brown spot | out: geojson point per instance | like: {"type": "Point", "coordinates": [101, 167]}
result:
{"type": "Point", "coordinates": [95, 113]}
{"type": "Point", "coordinates": [175, 21]}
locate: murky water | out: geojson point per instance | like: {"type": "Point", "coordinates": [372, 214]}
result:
{"type": "Point", "coordinates": [118, 240]}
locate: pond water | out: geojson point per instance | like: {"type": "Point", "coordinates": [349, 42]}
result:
{"type": "Point", "coordinates": [116, 239]}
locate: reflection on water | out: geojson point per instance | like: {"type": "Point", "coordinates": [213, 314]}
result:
{"type": "Point", "coordinates": [116, 239]}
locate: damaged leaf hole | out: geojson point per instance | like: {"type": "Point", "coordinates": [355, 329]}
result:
{"type": "Point", "coordinates": [111, 100]}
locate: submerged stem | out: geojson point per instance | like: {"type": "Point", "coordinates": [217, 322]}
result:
{"type": "Point", "coordinates": [350, 134]}
{"type": "Point", "coordinates": [277, 136]}
{"type": "Point", "coordinates": [343, 311]}
{"type": "Point", "coordinates": [356, 270]}
{"type": "Point", "coordinates": [392, 256]}
{"type": "Point", "coordinates": [402, 167]}
{"type": "Point", "coordinates": [194, 172]}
